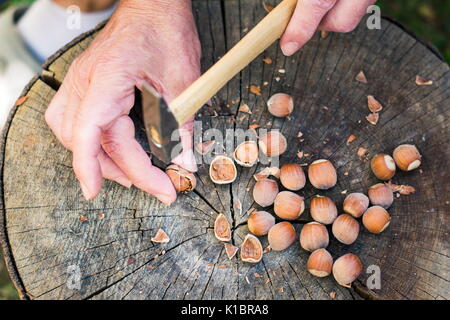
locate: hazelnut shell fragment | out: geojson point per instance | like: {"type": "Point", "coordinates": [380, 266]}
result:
{"type": "Point", "coordinates": [222, 229]}
{"type": "Point", "coordinates": [160, 237]}
{"type": "Point", "coordinates": [230, 250]}
{"type": "Point", "coordinates": [222, 170]}
{"type": "Point", "coordinates": [251, 249]}
{"type": "Point", "coordinates": [246, 154]}
{"type": "Point", "coordinates": [182, 179]}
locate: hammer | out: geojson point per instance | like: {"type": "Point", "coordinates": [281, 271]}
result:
{"type": "Point", "coordinates": [161, 120]}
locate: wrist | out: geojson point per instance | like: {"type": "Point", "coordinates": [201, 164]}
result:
{"type": "Point", "coordinates": [155, 8]}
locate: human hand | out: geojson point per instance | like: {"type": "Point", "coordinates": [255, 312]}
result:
{"type": "Point", "coordinates": [327, 15]}
{"type": "Point", "coordinates": [153, 41]}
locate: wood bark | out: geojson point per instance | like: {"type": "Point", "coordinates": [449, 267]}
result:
{"type": "Point", "coordinates": [45, 243]}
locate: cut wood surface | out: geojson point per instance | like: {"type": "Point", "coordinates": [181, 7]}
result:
{"type": "Point", "coordinates": [51, 236]}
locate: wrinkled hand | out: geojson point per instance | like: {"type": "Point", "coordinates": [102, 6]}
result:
{"type": "Point", "coordinates": [152, 41]}
{"type": "Point", "coordinates": [327, 15]}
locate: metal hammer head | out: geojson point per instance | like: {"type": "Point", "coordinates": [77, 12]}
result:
{"type": "Point", "coordinates": [160, 124]}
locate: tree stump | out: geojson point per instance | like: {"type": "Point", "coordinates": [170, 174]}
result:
{"type": "Point", "coordinates": [48, 248]}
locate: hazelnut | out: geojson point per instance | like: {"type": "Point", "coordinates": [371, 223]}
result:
{"type": "Point", "coordinates": [222, 170]}
{"type": "Point", "coordinates": [246, 154]}
{"type": "Point", "coordinates": [407, 157]}
{"type": "Point", "coordinates": [356, 203]}
{"type": "Point", "coordinates": [182, 179]}
{"type": "Point", "coordinates": [381, 194]}
{"type": "Point", "coordinates": [323, 210]}
{"type": "Point", "coordinates": [260, 222]}
{"type": "Point", "coordinates": [288, 205]}
{"type": "Point", "coordinates": [346, 269]}
{"type": "Point", "coordinates": [273, 143]}
{"type": "Point", "coordinates": [314, 236]}
{"type": "Point", "coordinates": [320, 263]}
{"type": "Point", "coordinates": [383, 166]}
{"type": "Point", "coordinates": [322, 174]}
{"type": "Point", "coordinates": [376, 219]}
{"type": "Point", "coordinates": [251, 249]}
{"type": "Point", "coordinates": [265, 191]}
{"type": "Point", "coordinates": [292, 176]}
{"type": "Point", "coordinates": [345, 228]}
{"type": "Point", "coordinates": [281, 236]}
{"type": "Point", "coordinates": [280, 105]}
{"type": "Point", "coordinates": [222, 229]}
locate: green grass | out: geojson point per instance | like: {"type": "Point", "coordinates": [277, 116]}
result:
{"type": "Point", "coordinates": [427, 18]}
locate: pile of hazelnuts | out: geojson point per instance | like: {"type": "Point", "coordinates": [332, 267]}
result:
{"type": "Point", "coordinates": [288, 205]}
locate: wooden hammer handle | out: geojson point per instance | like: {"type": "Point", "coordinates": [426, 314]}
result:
{"type": "Point", "coordinates": [245, 51]}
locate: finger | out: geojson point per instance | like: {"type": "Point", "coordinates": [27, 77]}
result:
{"type": "Point", "coordinates": [186, 159]}
{"type": "Point", "coordinates": [111, 171]}
{"type": "Point", "coordinates": [304, 23]}
{"type": "Point", "coordinates": [103, 103]}
{"type": "Point", "coordinates": [345, 15]}
{"type": "Point", "coordinates": [55, 112]}
{"type": "Point", "coordinates": [120, 144]}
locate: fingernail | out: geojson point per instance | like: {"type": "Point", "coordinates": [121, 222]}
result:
{"type": "Point", "coordinates": [124, 181]}
{"type": "Point", "coordinates": [168, 200]}
{"type": "Point", "coordinates": [290, 48]}
{"type": "Point", "coordinates": [85, 191]}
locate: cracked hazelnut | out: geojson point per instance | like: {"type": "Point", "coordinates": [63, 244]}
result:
{"type": "Point", "coordinates": [381, 195]}
{"type": "Point", "coordinates": [346, 269]}
{"type": "Point", "coordinates": [222, 229]}
{"type": "Point", "coordinates": [345, 228]}
{"type": "Point", "coordinates": [322, 174]}
{"type": "Point", "coordinates": [260, 222]}
{"type": "Point", "coordinates": [273, 143]}
{"type": "Point", "coordinates": [292, 176]}
{"type": "Point", "coordinates": [182, 179]}
{"type": "Point", "coordinates": [356, 204]}
{"type": "Point", "coordinates": [281, 236]}
{"type": "Point", "coordinates": [383, 166]}
{"type": "Point", "coordinates": [323, 210]}
{"type": "Point", "coordinates": [246, 154]}
{"type": "Point", "coordinates": [320, 263]}
{"type": "Point", "coordinates": [280, 105]}
{"type": "Point", "coordinates": [314, 236]}
{"type": "Point", "coordinates": [407, 157]}
{"type": "Point", "coordinates": [264, 192]}
{"type": "Point", "coordinates": [288, 205]}
{"type": "Point", "coordinates": [376, 219]}
{"type": "Point", "coordinates": [222, 170]}
{"type": "Point", "coordinates": [251, 249]}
